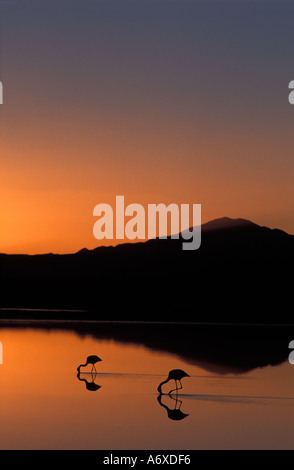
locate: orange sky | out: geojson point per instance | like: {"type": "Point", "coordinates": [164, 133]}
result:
{"type": "Point", "coordinates": [48, 207]}
{"type": "Point", "coordinates": [103, 104]}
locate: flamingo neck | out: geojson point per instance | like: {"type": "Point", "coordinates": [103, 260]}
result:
{"type": "Point", "coordinates": [160, 385]}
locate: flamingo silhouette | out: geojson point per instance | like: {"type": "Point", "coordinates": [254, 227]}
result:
{"type": "Point", "coordinates": [176, 414]}
{"type": "Point", "coordinates": [90, 360]}
{"type": "Point", "coordinates": [176, 375]}
{"type": "Point", "coordinates": [92, 386]}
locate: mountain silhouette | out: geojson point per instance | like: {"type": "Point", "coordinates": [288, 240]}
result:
{"type": "Point", "coordinates": [241, 273]}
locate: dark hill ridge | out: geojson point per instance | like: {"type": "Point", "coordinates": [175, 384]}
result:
{"type": "Point", "coordinates": [225, 223]}
{"type": "Point", "coordinates": [242, 272]}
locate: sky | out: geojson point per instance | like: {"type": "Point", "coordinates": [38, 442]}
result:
{"type": "Point", "coordinates": [162, 101]}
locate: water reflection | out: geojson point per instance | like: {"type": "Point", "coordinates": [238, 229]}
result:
{"type": "Point", "coordinates": [174, 413]}
{"type": "Point", "coordinates": [52, 409]}
{"type": "Point", "coordinates": [91, 386]}
{"type": "Point", "coordinates": [221, 349]}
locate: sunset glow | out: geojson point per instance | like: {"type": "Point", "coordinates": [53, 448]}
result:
{"type": "Point", "coordinates": [112, 103]}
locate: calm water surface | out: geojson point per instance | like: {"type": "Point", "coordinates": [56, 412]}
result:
{"type": "Point", "coordinates": [44, 405]}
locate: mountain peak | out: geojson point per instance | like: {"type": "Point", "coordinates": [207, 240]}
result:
{"type": "Point", "coordinates": [224, 223]}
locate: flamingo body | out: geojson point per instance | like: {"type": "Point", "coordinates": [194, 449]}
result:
{"type": "Point", "coordinates": [90, 360]}
{"type": "Point", "coordinates": [176, 375]}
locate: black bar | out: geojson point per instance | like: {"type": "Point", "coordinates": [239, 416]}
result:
{"type": "Point", "coordinates": [55, 459]}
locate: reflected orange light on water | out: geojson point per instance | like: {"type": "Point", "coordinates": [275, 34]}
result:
{"type": "Point", "coordinates": [44, 405]}
{"type": "Point", "coordinates": [47, 406]}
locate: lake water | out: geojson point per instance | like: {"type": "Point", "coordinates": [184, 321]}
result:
{"type": "Point", "coordinates": [45, 405]}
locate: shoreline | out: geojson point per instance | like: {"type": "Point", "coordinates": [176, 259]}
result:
{"type": "Point", "coordinates": [19, 315]}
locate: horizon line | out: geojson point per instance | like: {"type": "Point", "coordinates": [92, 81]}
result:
{"type": "Point", "coordinates": [139, 241]}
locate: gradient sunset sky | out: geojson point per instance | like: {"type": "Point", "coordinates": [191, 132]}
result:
{"type": "Point", "coordinates": [167, 101]}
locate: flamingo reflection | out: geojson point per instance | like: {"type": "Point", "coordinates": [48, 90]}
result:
{"type": "Point", "coordinates": [91, 386]}
{"type": "Point", "coordinates": [173, 413]}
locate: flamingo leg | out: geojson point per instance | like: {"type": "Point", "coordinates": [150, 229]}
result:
{"type": "Point", "coordinates": [180, 404]}
{"type": "Point", "coordinates": [174, 388]}
{"type": "Point", "coordinates": [177, 388]}
{"type": "Point", "coordinates": [93, 375]}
